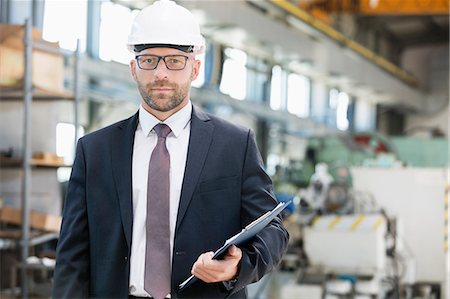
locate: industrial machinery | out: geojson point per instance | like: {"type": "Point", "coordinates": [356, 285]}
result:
{"type": "Point", "coordinates": [348, 246]}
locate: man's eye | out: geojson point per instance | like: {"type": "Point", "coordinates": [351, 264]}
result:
{"type": "Point", "coordinates": [149, 60]}
{"type": "Point", "coordinates": [174, 60]}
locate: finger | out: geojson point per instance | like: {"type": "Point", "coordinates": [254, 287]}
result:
{"type": "Point", "coordinates": [231, 250]}
{"type": "Point", "coordinates": [202, 261]}
{"type": "Point", "coordinates": [207, 257]}
{"type": "Point", "coordinates": [205, 263]}
{"type": "Point", "coordinates": [204, 274]}
{"type": "Point", "coordinates": [217, 269]}
{"type": "Point", "coordinates": [204, 257]}
{"type": "Point", "coordinates": [211, 264]}
{"type": "Point", "coordinates": [221, 266]}
{"type": "Point", "coordinates": [234, 253]}
{"type": "Point", "coordinates": [214, 268]}
{"type": "Point", "coordinates": [209, 270]}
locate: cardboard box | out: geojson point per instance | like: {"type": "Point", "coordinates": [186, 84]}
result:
{"type": "Point", "coordinates": [47, 158]}
{"type": "Point", "coordinates": [47, 68]}
{"type": "Point", "coordinates": [41, 221]}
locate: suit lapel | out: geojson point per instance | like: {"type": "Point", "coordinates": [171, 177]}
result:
{"type": "Point", "coordinates": [122, 152]}
{"type": "Point", "coordinates": [199, 142]}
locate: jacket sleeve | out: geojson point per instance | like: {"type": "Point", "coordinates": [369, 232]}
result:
{"type": "Point", "coordinates": [71, 276]}
{"type": "Point", "coordinates": [265, 251]}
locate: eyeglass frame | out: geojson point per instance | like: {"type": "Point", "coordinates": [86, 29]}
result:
{"type": "Point", "coordinates": [163, 58]}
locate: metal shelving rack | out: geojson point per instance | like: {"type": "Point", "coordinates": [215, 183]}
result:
{"type": "Point", "coordinates": [29, 44]}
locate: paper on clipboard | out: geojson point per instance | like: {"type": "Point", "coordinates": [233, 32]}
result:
{"type": "Point", "coordinates": [244, 235]}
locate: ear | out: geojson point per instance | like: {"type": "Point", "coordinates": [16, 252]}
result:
{"type": "Point", "coordinates": [195, 69]}
{"type": "Point", "coordinates": [133, 68]}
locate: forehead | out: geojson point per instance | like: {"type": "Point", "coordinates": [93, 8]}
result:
{"type": "Point", "coordinates": [163, 52]}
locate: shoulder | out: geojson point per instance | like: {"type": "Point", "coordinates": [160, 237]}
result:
{"type": "Point", "coordinates": [102, 134]}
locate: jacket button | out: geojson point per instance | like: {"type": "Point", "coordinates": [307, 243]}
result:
{"type": "Point", "coordinates": [126, 259]}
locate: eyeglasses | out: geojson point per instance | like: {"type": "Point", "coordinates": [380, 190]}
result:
{"type": "Point", "coordinates": [172, 62]}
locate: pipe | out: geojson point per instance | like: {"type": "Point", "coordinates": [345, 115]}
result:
{"type": "Point", "coordinates": [26, 181]}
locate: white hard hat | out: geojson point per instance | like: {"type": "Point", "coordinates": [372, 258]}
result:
{"type": "Point", "coordinates": [165, 23]}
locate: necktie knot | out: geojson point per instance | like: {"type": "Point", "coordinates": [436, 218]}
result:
{"type": "Point", "coordinates": [162, 130]}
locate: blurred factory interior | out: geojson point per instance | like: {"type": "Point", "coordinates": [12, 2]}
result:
{"type": "Point", "coordinates": [349, 100]}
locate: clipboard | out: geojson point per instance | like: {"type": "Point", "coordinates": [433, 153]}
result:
{"type": "Point", "coordinates": [244, 235]}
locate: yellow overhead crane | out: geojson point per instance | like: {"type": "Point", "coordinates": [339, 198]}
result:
{"type": "Point", "coordinates": [376, 7]}
{"type": "Point", "coordinates": [319, 24]}
{"type": "Point", "coordinates": [404, 7]}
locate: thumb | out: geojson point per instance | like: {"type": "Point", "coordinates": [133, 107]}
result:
{"type": "Point", "coordinates": [234, 252]}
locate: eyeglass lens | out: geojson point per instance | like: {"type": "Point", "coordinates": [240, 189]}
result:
{"type": "Point", "coordinates": [150, 62]}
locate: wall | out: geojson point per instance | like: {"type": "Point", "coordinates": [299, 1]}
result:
{"type": "Point", "coordinates": [430, 65]}
{"type": "Point", "coordinates": [421, 124]}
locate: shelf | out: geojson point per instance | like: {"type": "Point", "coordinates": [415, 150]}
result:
{"type": "Point", "coordinates": [51, 73]}
{"type": "Point", "coordinates": [16, 234]}
{"type": "Point", "coordinates": [40, 221]}
{"type": "Point", "coordinates": [47, 164]}
{"type": "Point", "coordinates": [16, 94]}
{"type": "Point", "coordinates": [38, 163]}
{"type": "Point", "coordinates": [10, 238]}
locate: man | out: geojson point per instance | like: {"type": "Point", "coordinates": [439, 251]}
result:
{"type": "Point", "coordinates": [152, 196]}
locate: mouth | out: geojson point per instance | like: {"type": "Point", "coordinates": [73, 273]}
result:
{"type": "Point", "coordinates": [162, 89]}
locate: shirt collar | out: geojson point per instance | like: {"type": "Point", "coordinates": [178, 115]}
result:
{"type": "Point", "coordinates": [177, 122]}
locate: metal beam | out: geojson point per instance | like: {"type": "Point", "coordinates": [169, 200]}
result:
{"type": "Point", "coordinates": [349, 43]}
{"type": "Point", "coordinates": [38, 14]}
{"type": "Point", "coordinates": [93, 29]}
{"type": "Point", "coordinates": [287, 43]}
{"type": "Point", "coordinates": [4, 11]}
{"type": "Point", "coordinates": [26, 182]}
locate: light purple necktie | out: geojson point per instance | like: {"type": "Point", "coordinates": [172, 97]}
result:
{"type": "Point", "coordinates": [157, 251]}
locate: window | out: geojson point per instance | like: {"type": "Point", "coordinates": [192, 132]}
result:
{"type": "Point", "coordinates": [65, 21]}
{"type": "Point", "coordinates": [333, 98]}
{"type": "Point", "coordinates": [341, 111]}
{"type": "Point", "coordinates": [234, 75]}
{"type": "Point", "coordinates": [276, 88]}
{"type": "Point", "coordinates": [257, 75]}
{"type": "Point", "coordinates": [339, 102]}
{"type": "Point", "coordinates": [115, 26]}
{"type": "Point", "coordinates": [298, 95]}
{"type": "Point", "coordinates": [365, 116]}
{"type": "Point", "coordinates": [65, 147]}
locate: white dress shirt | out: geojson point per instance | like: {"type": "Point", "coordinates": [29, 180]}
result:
{"type": "Point", "coordinates": [144, 142]}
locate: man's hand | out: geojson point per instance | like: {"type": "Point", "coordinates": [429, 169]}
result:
{"type": "Point", "coordinates": [209, 270]}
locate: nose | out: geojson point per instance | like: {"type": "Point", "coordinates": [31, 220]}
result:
{"type": "Point", "coordinates": [161, 70]}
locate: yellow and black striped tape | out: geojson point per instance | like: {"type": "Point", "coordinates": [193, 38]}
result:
{"type": "Point", "coordinates": [358, 222]}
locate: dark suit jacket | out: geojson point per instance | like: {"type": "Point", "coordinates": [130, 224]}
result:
{"type": "Point", "coordinates": [224, 189]}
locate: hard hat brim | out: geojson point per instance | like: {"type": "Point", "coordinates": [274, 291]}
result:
{"type": "Point", "coordinates": [141, 47]}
